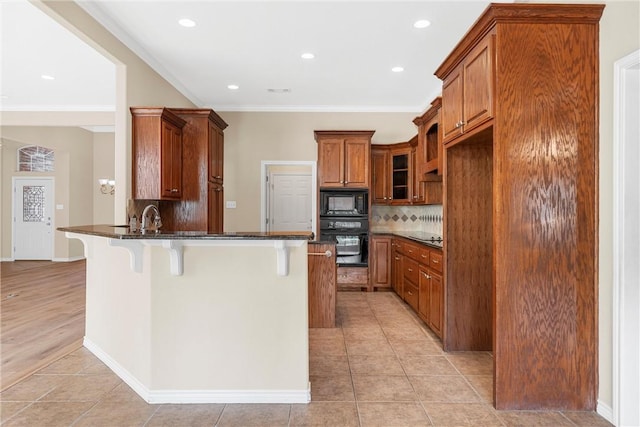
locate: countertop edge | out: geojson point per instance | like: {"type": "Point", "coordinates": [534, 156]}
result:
{"type": "Point", "coordinates": [123, 233]}
{"type": "Point", "coordinates": [405, 236]}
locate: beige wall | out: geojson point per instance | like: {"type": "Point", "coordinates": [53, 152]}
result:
{"type": "Point", "coordinates": [103, 167]}
{"type": "Point", "coordinates": [73, 174]}
{"type": "Point", "coordinates": [619, 36]}
{"type": "Point", "coordinates": [137, 84]}
{"type": "Point", "coordinates": [253, 137]}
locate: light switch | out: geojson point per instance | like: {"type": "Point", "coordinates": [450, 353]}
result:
{"type": "Point", "coordinates": [231, 204]}
{"type": "Point", "coordinates": [59, 207]}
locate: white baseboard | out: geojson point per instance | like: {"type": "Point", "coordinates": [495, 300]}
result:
{"type": "Point", "coordinates": [7, 260]}
{"type": "Point", "coordinates": [605, 411]}
{"type": "Point", "coordinates": [71, 259]}
{"type": "Point", "coordinates": [199, 396]}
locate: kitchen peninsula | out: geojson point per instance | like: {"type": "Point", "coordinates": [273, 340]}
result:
{"type": "Point", "coordinates": [192, 317]}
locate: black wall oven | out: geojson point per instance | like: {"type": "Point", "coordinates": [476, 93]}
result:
{"type": "Point", "coordinates": [344, 220]}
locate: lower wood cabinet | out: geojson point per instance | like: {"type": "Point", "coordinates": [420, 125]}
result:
{"type": "Point", "coordinates": [380, 262]}
{"type": "Point", "coordinates": [322, 285]}
{"type": "Point", "coordinates": [353, 278]}
{"type": "Point", "coordinates": [416, 276]}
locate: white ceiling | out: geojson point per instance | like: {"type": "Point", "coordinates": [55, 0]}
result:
{"type": "Point", "coordinates": [253, 44]}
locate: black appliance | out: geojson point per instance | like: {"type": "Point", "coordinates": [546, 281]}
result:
{"type": "Point", "coordinates": [344, 220]}
{"type": "Point", "coordinates": [344, 202]}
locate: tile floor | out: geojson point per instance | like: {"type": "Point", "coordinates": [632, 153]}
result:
{"type": "Point", "coordinates": [381, 367]}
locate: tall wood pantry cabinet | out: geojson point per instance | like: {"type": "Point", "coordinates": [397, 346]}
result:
{"type": "Point", "coordinates": [343, 158]}
{"type": "Point", "coordinates": [202, 205]}
{"type": "Point", "coordinates": [157, 154]}
{"type": "Point", "coordinates": [520, 120]}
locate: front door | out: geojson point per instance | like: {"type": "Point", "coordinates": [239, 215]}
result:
{"type": "Point", "coordinates": [33, 218]}
{"type": "Point", "coordinates": [290, 202]}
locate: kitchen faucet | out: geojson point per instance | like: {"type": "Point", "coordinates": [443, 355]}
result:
{"type": "Point", "coordinates": [157, 222]}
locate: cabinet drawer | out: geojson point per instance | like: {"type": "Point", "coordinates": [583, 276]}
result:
{"type": "Point", "coordinates": [435, 261]}
{"type": "Point", "coordinates": [348, 275]}
{"type": "Point", "coordinates": [411, 294]}
{"type": "Point", "coordinates": [411, 250]}
{"type": "Point", "coordinates": [411, 270]}
{"type": "Point", "coordinates": [424, 256]}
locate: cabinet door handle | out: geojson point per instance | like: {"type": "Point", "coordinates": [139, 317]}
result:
{"type": "Point", "coordinates": [397, 259]}
{"type": "Point", "coordinates": [174, 190]}
{"type": "Point", "coordinates": [410, 270]}
{"type": "Point", "coordinates": [410, 293]}
{"type": "Point", "coordinates": [435, 261]}
{"type": "Point", "coordinates": [423, 256]}
{"type": "Point", "coordinates": [326, 254]}
{"type": "Point", "coordinates": [218, 177]}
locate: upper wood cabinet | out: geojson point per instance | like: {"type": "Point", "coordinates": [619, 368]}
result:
{"type": "Point", "coordinates": [202, 205]}
{"type": "Point", "coordinates": [156, 154]}
{"type": "Point", "coordinates": [429, 149]}
{"type": "Point", "coordinates": [467, 92]}
{"type": "Point", "coordinates": [343, 158]}
{"type": "Point", "coordinates": [395, 179]}
{"type": "Point", "coordinates": [380, 192]}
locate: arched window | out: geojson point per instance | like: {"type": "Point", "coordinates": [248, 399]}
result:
{"type": "Point", "coordinates": [35, 159]}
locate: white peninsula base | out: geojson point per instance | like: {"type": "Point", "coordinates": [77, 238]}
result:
{"type": "Point", "coordinates": [230, 329]}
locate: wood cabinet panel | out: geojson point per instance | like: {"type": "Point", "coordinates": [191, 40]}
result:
{"type": "Point", "coordinates": [201, 207]}
{"type": "Point", "coordinates": [411, 293]}
{"type": "Point", "coordinates": [435, 302]}
{"type": "Point", "coordinates": [322, 285]}
{"type": "Point", "coordinates": [331, 162]}
{"type": "Point", "coordinates": [350, 278]}
{"type": "Point", "coordinates": [156, 154]}
{"type": "Point", "coordinates": [380, 262]}
{"type": "Point", "coordinates": [467, 92]}
{"type": "Point", "coordinates": [343, 158]}
{"type": "Point", "coordinates": [380, 189]}
{"type": "Point", "coordinates": [356, 162]}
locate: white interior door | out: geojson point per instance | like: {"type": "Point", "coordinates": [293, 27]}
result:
{"type": "Point", "coordinates": [33, 218]}
{"type": "Point", "coordinates": [290, 202]}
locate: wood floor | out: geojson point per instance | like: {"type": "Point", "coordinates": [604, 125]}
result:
{"type": "Point", "coordinates": [42, 310]}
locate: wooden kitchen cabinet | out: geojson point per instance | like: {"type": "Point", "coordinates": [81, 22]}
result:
{"type": "Point", "coordinates": [343, 158]}
{"type": "Point", "coordinates": [202, 205]}
{"type": "Point", "coordinates": [429, 153]}
{"type": "Point", "coordinates": [521, 207]}
{"type": "Point", "coordinates": [401, 174]}
{"type": "Point", "coordinates": [353, 278]}
{"type": "Point", "coordinates": [467, 92]}
{"type": "Point", "coordinates": [322, 285]}
{"type": "Point", "coordinates": [417, 279]}
{"type": "Point", "coordinates": [380, 262]}
{"type": "Point", "coordinates": [380, 189]}
{"type": "Point", "coordinates": [397, 272]}
{"type": "Point", "coordinates": [156, 154]}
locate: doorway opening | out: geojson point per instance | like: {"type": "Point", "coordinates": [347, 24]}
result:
{"type": "Point", "coordinates": [626, 252]}
{"type": "Point", "coordinates": [288, 196]}
{"type": "Point", "coordinates": [32, 225]}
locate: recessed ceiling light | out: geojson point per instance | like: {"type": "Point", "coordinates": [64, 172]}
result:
{"type": "Point", "coordinates": [233, 87]}
{"type": "Point", "coordinates": [422, 23]}
{"type": "Point", "coordinates": [397, 69]}
{"type": "Point", "coordinates": [282, 90]}
{"type": "Point", "coordinates": [186, 22]}
{"type": "Point", "coordinates": [47, 77]}
{"type": "Point", "coordinates": [307, 55]}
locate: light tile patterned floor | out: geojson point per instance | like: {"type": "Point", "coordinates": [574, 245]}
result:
{"type": "Point", "coordinates": [381, 367]}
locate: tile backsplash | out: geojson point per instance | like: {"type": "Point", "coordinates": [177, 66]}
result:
{"type": "Point", "coordinates": [407, 218]}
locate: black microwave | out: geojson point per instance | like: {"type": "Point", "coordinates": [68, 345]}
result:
{"type": "Point", "coordinates": [344, 202]}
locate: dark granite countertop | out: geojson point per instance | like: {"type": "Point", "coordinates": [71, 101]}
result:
{"type": "Point", "coordinates": [421, 237]}
{"type": "Point", "coordinates": [123, 232]}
